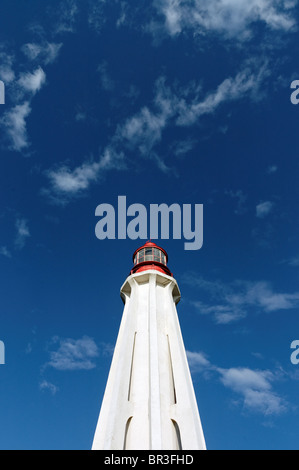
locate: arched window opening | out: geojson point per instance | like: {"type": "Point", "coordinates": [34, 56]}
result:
{"type": "Point", "coordinates": [177, 435]}
{"type": "Point", "coordinates": [127, 433]}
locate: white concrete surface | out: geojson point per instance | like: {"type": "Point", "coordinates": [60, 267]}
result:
{"type": "Point", "coordinates": [149, 401]}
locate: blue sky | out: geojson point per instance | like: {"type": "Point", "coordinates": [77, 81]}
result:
{"type": "Point", "coordinates": [162, 101]}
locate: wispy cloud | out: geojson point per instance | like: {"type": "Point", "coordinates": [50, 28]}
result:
{"type": "Point", "coordinates": [233, 301]}
{"type": "Point", "coordinates": [272, 169]}
{"type": "Point", "coordinates": [106, 81]}
{"type": "Point", "coordinates": [198, 361]}
{"type": "Point", "coordinates": [65, 181]}
{"type": "Point", "coordinates": [22, 87]}
{"type": "Point", "coordinates": [241, 199]}
{"type": "Point", "coordinates": [14, 123]}
{"type": "Point", "coordinates": [5, 252]}
{"type": "Point", "coordinates": [7, 73]}
{"type": "Point", "coordinates": [96, 14]}
{"type": "Point", "coordinates": [23, 233]}
{"type": "Point", "coordinates": [253, 386]}
{"type": "Point", "coordinates": [255, 389]}
{"type": "Point", "coordinates": [142, 132]}
{"type": "Point", "coordinates": [45, 52]}
{"type": "Point", "coordinates": [66, 184]}
{"type": "Point", "coordinates": [32, 82]}
{"type": "Point", "coordinates": [45, 385]}
{"type": "Point", "coordinates": [65, 16]}
{"type": "Point", "coordinates": [230, 18]}
{"type": "Point", "coordinates": [73, 354]}
{"type": "Point", "coordinates": [246, 84]}
{"type": "Point", "coordinates": [263, 209]}
{"type": "Point", "coordinates": [14, 119]}
{"type": "Point", "coordinates": [294, 261]}
{"type": "Point", "coordinates": [185, 107]}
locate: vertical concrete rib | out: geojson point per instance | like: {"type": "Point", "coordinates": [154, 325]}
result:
{"type": "Point", "coordinates": [154, 382]}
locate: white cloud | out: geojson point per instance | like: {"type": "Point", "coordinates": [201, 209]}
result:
{"type": "Point", "coordinates": [46, 52]}
{"type": "Point", "coordinates": [240, 379]}
{"type": "Point", "coordinates": [45, 385]}
{"type": "Point", "coordinates": [22, 89]}
{"type": "Point", "coordinates": [144, 130]}
{"type": "Point", "coordinates": [66, 16]}
{"type": "Point", "coordinates": [173, 15]}
{"type": "Point", "coordinates": [5, 252]}
{"type": "Point", "coordinates": [31, 50]}
{"type": "Point", "coordinates": [183, 147]}
{"type": "Point", "coordinates": [262, 295]}
{"type": "Point", "coordinates": [74, 354]}
{"type": "Point", "coordinates": [32, 82]}
{"type": "Point", "coordinates": [66, 184]}
{"type": "Point", "coordinates": [14, 123]}
{"type": "Point", "coordinates": [80, 116]}
{"type": "Point", "coordinates": [66, 181]}
{"type": "Point", "coordinates": [96, 17]}
{"type": "Point", "coordinates": [293, 261]}
{"type": "Point", "coordinates": [272, 169]}
{"type": "Point", "coordinates": [22, 233]}
{"type": "Point", "coordinates": [197, 361]}
{"type": "Point", "coordinates": [231, 18]}
{"type": "Point", "coordinates": [233, 301]}
{"type": "Point", "coordinates": [106, 81]}
{"type": "Point", "coordinates": [255, 388]}
{"type": "Point", "coordinates": [263, 209]}
{"type": "Point", "coordinates": [247, 83]}
{"type": "Point", "coordinates": [241, 199]}
{"type": "Point", "coordinates": [7, 74]}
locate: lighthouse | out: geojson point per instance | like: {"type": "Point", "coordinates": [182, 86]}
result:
{"type": "Point", "coordinates": [149, 401]}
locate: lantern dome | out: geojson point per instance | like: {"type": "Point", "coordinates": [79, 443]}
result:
{"type": "Point", "coordinates": [150, 256]}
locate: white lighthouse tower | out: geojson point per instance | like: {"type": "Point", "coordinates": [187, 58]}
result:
{"type": "Point", "coordinates": [149, 401]}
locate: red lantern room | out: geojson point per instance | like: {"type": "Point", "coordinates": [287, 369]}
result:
{"type": "Point", "coordinates": [150, 256]}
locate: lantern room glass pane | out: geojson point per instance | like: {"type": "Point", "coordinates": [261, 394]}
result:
{"type": "Point", "coordinates": [141, 256]}
{"type": "Point", "coordinates": [148, 254]}
{"type": "Point", "coordinates": [157, 255]}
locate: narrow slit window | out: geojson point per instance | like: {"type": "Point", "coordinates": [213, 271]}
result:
{"type": "Point", "coordinates": [131, 369]}
{"type": "Point", "coordinates": [174, 398]}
